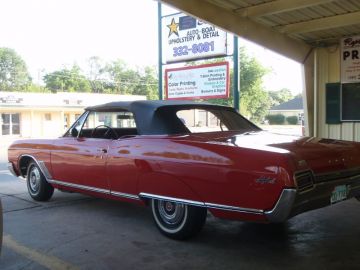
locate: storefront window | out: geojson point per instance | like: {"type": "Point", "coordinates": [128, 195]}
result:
{"type": "Point", "coordinates": [10, 124]}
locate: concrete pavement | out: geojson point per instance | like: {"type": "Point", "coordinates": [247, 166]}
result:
{"type": "Point", "coordinates": [73, 231]}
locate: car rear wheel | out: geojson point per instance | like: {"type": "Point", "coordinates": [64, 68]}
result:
{"type": "Point", "coordinates": [358, 198]}
{"type": "Point", "coordinates": [176, 220]}
{"type": "Point", "coordinates": [38, 188]}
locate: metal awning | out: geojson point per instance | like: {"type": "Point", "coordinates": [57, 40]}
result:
{"type": "Point", "coordinates": [317, 22]}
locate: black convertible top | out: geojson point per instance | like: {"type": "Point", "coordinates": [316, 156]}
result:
{"type": "Point", "coordinates": [149, 104]}
{"type": "Point", "coordinates": [159, 116]}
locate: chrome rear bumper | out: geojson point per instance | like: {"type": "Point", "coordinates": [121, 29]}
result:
{"type": "Point", "coordinates": [293, 202]}
{"type": "Point", "coordinates": [283, 207]}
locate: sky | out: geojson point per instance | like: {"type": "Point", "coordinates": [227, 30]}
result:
{"type": "Point", "coordinates": [51, 34]}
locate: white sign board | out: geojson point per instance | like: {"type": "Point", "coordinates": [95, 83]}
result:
{"type": "Point", "coordinates": [203, 81]}
{"type": "Point", "coordinates": [188, 38]}
{"type": "Point", "coordinates": [350, 59]}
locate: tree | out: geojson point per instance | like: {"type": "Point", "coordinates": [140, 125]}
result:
{"type": "Point", "coordinates": [254, 100]}
{"type": "Point", "coordinates": [140, 81]}
{"type": "Point", "coordinates": [96, 75]}
{"type": "Point", "coordinates": [115, 72]}
{"type": "Point", "coordinates": [14, 75]}
{"type": "Point", "coordinates": [280, 96]}
{"type": "Point", "coordinates": [114, 77]}
{"type": "Point", "coordinates": [149, 83]}
{"type": "Point", "coordinates": [67, 80]}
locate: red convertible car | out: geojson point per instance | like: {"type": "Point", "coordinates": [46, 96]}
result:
{"type": "Point", "coordinates": [186, 158]}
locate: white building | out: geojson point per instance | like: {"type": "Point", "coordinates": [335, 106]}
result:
{"type": "Point", "coordinates": [293, 107]}
{"type": "Point", "coordinates": [29, 115]}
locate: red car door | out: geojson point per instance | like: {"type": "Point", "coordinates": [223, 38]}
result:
{"type": "Point", "coordinates": [79, 158]}
{"type": "Point", "coordinates": [122, 168]}
{"type": "Point", "coordinates": [81, 161]}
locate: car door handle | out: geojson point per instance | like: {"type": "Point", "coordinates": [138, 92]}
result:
{"type": "Point", "coordinates": [103, 150]}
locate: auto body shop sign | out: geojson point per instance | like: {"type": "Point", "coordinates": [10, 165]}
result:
{"type": "Point", "coordinates": [198, 82]}
{"type": "Point", "coordinates": [187, 38]}
{"type": "Point", "coordinates": [350, 59]}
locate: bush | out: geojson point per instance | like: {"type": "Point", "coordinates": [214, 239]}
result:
{"type": "Point", "coordinates": [276, 119]}
{"type": "Point", "coordinates": [292, 120]}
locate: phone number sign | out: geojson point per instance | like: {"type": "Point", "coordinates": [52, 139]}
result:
{"type": "Point", "coordinates": [198, 82]}
{"type": "Point", "coordinates": [187, 38]}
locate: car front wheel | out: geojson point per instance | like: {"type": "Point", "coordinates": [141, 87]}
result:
{"type": "Point", "coordinates": [176, 220]}
{"type": "Point", "coordinates": [38, 188]}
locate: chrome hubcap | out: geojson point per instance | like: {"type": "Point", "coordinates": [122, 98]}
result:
{"type": "Point", "coordinates": [171, 213]}
{"type": "Point", "coordinates": [34, 179]}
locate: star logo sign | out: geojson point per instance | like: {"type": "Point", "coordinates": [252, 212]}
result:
{"type": "Point", "coordinates": [173, 26]}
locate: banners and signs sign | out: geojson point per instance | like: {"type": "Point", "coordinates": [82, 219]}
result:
{"type": "Point", "coordinates": [188, 38]}
{"type": "Point", "coordinates": [203, 81]}
{"type": "Point", "coordinates": [350, 59]}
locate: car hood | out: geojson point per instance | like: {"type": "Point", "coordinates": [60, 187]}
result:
{"type": "Point", "coordinates": [321, 155]}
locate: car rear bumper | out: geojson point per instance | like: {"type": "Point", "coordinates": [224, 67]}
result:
{"type": "Point", "coordinates": [283, 207]}
{"type": "Point", "coordinates": [293, 202]}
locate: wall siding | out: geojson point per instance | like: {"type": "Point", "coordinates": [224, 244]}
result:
{"type": "Point", "coordinates": [327, 68]}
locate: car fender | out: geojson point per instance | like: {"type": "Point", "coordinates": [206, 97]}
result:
{"type": "Point", "coordinates": [42, 160]}
{"type": "Point", "coordinates": [166, 186]}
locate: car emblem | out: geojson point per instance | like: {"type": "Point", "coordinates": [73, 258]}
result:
{"type": "Point", "coordinates": [302, 163]}
{"type": "Point", "coordinates": [265, 180]}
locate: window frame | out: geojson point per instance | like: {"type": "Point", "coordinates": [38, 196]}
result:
{"type": "Point", "coordinates": [68, 132]}
{"type": "Point", "coordinates": [11, 123]}
{"type": "Point", "coordinates": [84, 117]}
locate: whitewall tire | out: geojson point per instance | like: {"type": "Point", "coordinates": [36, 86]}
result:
{"type": "Point", "coordinates": [176, 220]}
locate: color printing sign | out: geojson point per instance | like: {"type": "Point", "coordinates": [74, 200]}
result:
{"type": "Point", "coordinates": [198, 82]}
{"type": "Point", "coordinates": [350, 59]}
{"type": "Point", "coordinates": [188, 38]}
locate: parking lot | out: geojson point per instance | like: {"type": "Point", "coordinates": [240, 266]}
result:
{"type": "Point", "coordinates": [73, 231]}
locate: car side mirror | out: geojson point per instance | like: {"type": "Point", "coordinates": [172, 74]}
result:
{"type": "Point", "coordinates": [74, 132]}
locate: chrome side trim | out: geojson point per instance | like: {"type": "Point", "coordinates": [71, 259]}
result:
{"type": "Point", "coordinates": [337, 175]}
{"type": "Point", "coordinates": [171, 199]}
{"type": "Point", "coordinates": [124, 195]}
{"type": "Point", "coordinates": [202, 204]}
{"type": "Point", "coordinates": [10, 167]}
{"type": "Point", "coordinates": [44, 169]}
{"type": "Point", "coordinates": [88, 188]}
{"type": "Point", "coordinates": [40, 164]}
{"type": "Point", "coordinates": [99, 190]}
{"type": "Point", "coordinates": [49, 179]}
{"type": "Point", "coordinates": [234, 208]}
{"type": "Point", "coordinates": [282, 208]}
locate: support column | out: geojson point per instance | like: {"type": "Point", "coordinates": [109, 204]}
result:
{"type": "Point", "coordinates": [308, 94]}
{"type": "Point", "coordinates": [236, 91]}
{"type": "Point", "coordinates": [160, 89]}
